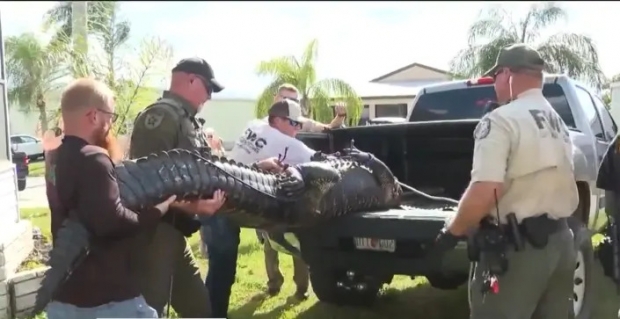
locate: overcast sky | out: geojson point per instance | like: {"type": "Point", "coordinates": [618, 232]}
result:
{"type": "Point", "coordinates": [357, 41]}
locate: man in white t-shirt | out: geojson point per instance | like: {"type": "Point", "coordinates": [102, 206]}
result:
{"type": "Point", "coordinates": [276, 137]}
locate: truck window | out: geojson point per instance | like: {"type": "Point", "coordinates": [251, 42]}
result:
{"type": "Point", "coordinates": [469, 103]}
{"type": "Point", "coordinates": [585, 99]}
{"type": "Point", "coordinates": [609, 125]}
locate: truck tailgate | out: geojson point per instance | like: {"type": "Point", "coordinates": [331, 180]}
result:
{"type": "Point", "coordinates": [407, 223]}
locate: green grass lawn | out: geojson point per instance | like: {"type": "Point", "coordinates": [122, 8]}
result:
{"type": "Point", "coordinates": [404, 298]}
{"type": "Point", "coordinates": [36, 169]}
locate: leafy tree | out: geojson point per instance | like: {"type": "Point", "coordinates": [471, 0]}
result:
{"type": "Point", "coordinates": [316, 95]}
{"type": "Point", "coordinates": [135, 86]}
{"type": "Point", "coordinates": [103, 23]}
{"type": "Point", "coordinates": [569, 53]}
{"type": "Point", "coordinates": [34, 69]}
{"type": "Point", "coordinates": [99, 13]}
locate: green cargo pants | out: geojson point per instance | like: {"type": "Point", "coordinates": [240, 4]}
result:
{"type": "Point", "coordinates": [165, 259]}
{"type": "Point", "coordinates": [272, 265]}
{"type": "Point", "coordinates": [538, 284]}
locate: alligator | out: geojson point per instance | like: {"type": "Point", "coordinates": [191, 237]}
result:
{"type": "Point", "coordinates": [305, 195]}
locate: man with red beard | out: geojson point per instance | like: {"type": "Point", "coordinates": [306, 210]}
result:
{"type": "Point", "coordinates": [85, 189]}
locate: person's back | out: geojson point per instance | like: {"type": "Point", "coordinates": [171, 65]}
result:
{"type": "Point", "coordinates": [541, 163]}
{"type": "Point", "coordinates": [105, 274]}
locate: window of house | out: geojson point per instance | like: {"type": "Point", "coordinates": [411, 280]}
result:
{"type": "Point", "coordinates": [391, 110]}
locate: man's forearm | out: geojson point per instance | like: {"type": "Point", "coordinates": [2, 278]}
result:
{"type": "Point", "coordinates": [476, 203]}
{"type": "Point", "coordinates": [337, 121]}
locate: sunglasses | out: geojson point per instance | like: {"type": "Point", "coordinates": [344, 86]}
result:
{"type": "Point", "coordinates": [294, 123]}
{"type": "Point", "coordinates": [206, 84]}
{"type": "Point", "coordinates": [113, 115]}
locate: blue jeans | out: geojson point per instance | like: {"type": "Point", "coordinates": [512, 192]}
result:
{"type": "Point", "coordinates": [222, 237]}
{"type": "Point", "coordinates": [132, 308]}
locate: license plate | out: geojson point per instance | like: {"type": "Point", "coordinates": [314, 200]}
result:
{"type": "Point", "coordinates": [375, 244]}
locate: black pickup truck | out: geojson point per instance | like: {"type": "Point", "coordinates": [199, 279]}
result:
{"type": "Point", "coordinates": [351, 257]}
{"type": "Point", "coordinates": [21, 161]}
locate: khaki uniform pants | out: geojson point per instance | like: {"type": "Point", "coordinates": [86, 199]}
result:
{"type": "Point", "coordinates": [168, 255]}
{"type": "Point", "coordinates": [538, 284]}
{"type": "Point", "coordinates": [272, 265]}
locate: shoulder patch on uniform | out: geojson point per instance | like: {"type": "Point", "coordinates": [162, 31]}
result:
{"type": "Point", "coordinates": [153, 118]}
{"type": "Point", "coordinates": [483, 128]}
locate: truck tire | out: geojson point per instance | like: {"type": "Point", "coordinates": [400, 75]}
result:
{"type": "Point", "coordinates": [583, 289]}
{"type": "Point", "coordinates": [447, 282]}
{"type": "Point", "coordinates": [330, 285]}
{"type": "Point", "coordinates": [21, 184]}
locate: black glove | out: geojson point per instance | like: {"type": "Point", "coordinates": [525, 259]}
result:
{"type": "Point", "coordinates": [184, 223]}
{"type": "Point", "coordinates": [445, 241]}
{"type": "Point", "coordinates": [294, 184]}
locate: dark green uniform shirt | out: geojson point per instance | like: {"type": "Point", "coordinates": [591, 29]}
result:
{"type": "Point", "coordinates": [167, 124]}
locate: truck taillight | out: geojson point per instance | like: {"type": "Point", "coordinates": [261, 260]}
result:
{"type": "Point", "coordinates": [481, 81]}
{"type": "Point", "coordinates": [26, 160]}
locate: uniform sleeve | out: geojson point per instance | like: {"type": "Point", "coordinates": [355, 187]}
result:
{"type": "Point", "coordinates": [491, 150]}
{"type": "Point", "coordinates": [607, 171]}
{"type": "Point", "coordinates": [99, 205]}
{"type": "Point", "coordinates": [155, 130]}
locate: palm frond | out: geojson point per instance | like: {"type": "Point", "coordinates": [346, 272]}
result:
{"type": "Point", "coordinates": [540, 17]}
{"type": "Point", "coordinates": [575, 55]}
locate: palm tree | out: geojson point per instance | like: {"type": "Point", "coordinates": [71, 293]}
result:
{"type": "Point", "coordinates": [34, 69]}
{"type": "Point", "coordinates": [102, 22]}
{"type": "Point", "coordinates": [316, 95]}
{"type": "Point", "coordinates": [569, 53]}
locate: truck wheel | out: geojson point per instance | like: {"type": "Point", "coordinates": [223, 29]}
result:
{"type": "Point", "coordinates": [446, 282]}
{"type": "Point", "coordinates": [343, 288]}
{"type": "Point", "coordinates": [21, 184]}
{"type": "Point", "coordinates": [582, 280]}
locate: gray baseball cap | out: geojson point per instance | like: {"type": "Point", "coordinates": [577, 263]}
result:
{"type": "Point", "coordinates": [288, 109]}
{"type": "Point", "coordinates": [517, 56]}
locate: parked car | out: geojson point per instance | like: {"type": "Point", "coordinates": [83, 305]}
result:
{"type": "Point", "coordinates": [21, 161]}
{"type": "Point", "coordinates": [351, 257]}
{"type": "Point", "coordinates": [32, 146]}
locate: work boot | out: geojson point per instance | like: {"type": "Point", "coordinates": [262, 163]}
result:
{"type": "Point", "coordinates": [273, 291]}
{"type": "Point", "coordinates": [301, 294]}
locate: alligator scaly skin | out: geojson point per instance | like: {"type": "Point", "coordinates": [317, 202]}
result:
{"type": "Point", "coordinates": [254, 198]}
{"type": "Point", "coordinates": [71, 247]}
{"type": "Point", "coordinates": [364, 186]}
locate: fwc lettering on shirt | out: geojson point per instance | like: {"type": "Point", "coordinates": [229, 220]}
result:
{"type": "Point", "coordinates": [550, 124]}
{"type": "Point", "coordinates": [260, 141]}
{"type": "Point", "coordinates": [251, 142]}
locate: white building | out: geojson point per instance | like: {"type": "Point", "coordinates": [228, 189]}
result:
{"type": "Point", "coordinates": [392, 94]}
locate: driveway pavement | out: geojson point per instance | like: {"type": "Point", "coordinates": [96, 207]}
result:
{"type": "Point", "coordinates": [34, 194]}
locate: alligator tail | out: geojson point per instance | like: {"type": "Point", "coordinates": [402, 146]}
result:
{"type": "Point", "coordinates": [71, 247]}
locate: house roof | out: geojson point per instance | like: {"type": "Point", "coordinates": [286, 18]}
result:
{"type": "Point", "coordinates": [410, 66]}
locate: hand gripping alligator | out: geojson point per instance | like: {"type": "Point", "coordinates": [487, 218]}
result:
{"type": "Point", "coordinates": [307, 194]}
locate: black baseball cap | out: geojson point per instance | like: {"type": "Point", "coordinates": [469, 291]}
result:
{"type": "Point", "coordinates": [517, 56]}
{"type": "Point", "coordinates": [287, 109]}
{"type": "Point", "coordinates": [199, 67]}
